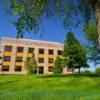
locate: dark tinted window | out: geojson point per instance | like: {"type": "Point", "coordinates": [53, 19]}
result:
{"type": "Point", "coordinates": [59, 52]}
{"type": "Point", "coordinates": [8, 48]}
{"type": "Point", "coordinates": [41, 51]}
{"type": "Point", "coordinates": [19, 59]}
{"type": "Point", "coordinates": [31, 50]}
{"type": "Point", "coordinates": [50, 51]}
{"type": "Point", "coordinates": [20, 49]}
{"type": "Point", "coordinates": [18, 68]}
{"type": "Point", "coordinates": [50, 60]}
{"type": "Point", "coordinates": [50, 69]}
{"type": "Point", "coordinates": [41, 60]}
{"type": "Point", "coordinates": [7, 58]}
{"type": "Point", "coordinates": [5, 68]}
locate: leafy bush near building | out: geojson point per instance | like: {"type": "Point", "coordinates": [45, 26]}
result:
{"type": "Point", "coordinates": [31, 64]}
{"type": "Point", "coordinates": [86, 72]}
{"type": "Point", "coordinates": [97, 71]}
{"type": "Point", "coordinates": [58, 65]}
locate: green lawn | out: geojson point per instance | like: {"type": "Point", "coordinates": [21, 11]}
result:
{"type": "Point", "coordinates": [42, 87]}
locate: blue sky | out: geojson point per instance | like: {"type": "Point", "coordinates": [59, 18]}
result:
{"type": "Point", "coordinates": [51, 30]}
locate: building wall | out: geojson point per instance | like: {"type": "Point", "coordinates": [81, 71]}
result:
{"type": "Point", "coordinates": [26, 44]}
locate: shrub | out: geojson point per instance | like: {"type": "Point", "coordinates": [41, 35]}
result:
{"type": "Point", "coordinates": [87, 72]}
{"type": "Point", "coordinates": [58, 65]}
{"type": "Point", "coordinates": [97, 70]}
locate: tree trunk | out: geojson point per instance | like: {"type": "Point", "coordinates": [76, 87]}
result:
{"type": "Point", "coordinates": [97, 14]}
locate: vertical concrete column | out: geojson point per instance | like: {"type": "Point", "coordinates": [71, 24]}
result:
{"type": "Point", "coordinates": [46, 62]}
{"type": "Point", "coordinates": [55, 54]}
{"type": "Point", "coordinates": [13, 59]}
{"type": "Point", "coordinates": [1, 54]}
{"type": "Point", "coordinates": [36, 57]}
{"type": "Point", "coordinates": [24, 58]}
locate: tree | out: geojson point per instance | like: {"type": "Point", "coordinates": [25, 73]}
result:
{"type": "Point", "coordinates": [31, 64]}
{"type": "Point", "coordinates": [57, 65]}
{"type": "Point", "coordinates": [0, 62]}
{"type": "Point", "coordinates": [97, 71]}
{"type": "Point", "coordinates": [74, 53]}
{"type": "Point", "coordinates": [72, 12]}
{"type": "Point", "coordinates": [93, 48]}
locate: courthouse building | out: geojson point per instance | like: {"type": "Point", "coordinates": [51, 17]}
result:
{"type": "Point", "coordinates": [15, 52]}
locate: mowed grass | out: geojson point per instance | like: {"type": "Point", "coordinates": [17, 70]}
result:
{"type": "Point", "coordinates": [44, 87]}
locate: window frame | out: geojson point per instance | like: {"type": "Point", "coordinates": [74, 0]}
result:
{"type": "Point", "coordinates": [49, 60]}
{"type": "Point", "coordinates": [8, 48]}
{"type": "Point", "coordinates": [41, 52]}
{"type": "Point", "coordinates": [6, 60]}
{"type": "Point", "coordinates": [17, 60]}
{"type": "Point", "coordinates": [41, 61]}
{"type": "Point", "coordinates": [19, 49]}
{"type": "Point", "coordinates": [50, 51]}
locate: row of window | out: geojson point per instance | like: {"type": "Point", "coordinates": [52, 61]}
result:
{"type": "Point", "coordinates": [20, 59]}
{"type": "Point", "coordinates": [21, 49]}
{"type": "Point", "coordinates": [19, 69]}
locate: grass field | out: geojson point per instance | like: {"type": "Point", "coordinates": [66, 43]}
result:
{"type": "Point", "coordinates": [42, 87]}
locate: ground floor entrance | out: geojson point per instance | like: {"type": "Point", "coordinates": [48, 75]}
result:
{"type": "Point", "coordinates": [41, 69]}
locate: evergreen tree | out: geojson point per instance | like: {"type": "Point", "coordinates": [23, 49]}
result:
{"type": "Point", "coordinates": [31, 64]}
{"type": "Point", "coordinates": [74, 53]}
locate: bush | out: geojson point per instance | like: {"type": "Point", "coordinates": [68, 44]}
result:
{"type": "Point", "coordinates": [97, 70]}
{"type": "Point", "coordinates": [87, 72]}
{"type": "Point", "coordinates": [57, 65]}
{"type": "Point", "coordinates": [57, 69]}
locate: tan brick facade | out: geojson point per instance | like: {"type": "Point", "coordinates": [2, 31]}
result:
{"type": "Point", "coordinates": [15, 50]}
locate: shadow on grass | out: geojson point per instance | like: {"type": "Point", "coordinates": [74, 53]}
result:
{"type": "Point", "coordinates": [68, 75]}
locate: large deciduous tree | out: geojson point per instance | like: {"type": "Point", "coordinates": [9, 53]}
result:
{"type": "Point", "coordinates": [31, 12]}
{"type": "Point", "coordinates": [93, 48]}
{"type": "Point", "coordinates": [74, 53]}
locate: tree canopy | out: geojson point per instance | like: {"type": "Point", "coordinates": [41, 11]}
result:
{"type": "Point", "coordinates": [74, 53]}
{"type": "Point", "coordinates": [31, 12]}
{"type": "Point", "coordinates": [93, 48]}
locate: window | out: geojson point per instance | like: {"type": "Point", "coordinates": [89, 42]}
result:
{"type": "Point", "coordinates": [31, 50]}
{"type": "Point", "coordinates": [50, 51]}
{"type": "Point", "coordinates": [5, 68]}
{"type": "Point", "coordinates": [50, 69]}
{"type": "Point", "coordinates": [59, 52]}
{"type": "Point", "coordinates": [20, 49]}
{"type": "Point", "coordinates": [41, 60]}
{"type": "Point", "coordinates": [41, 51]}
{"type": "Point", "coordinates": [18, 68]}
{"type": "Point", "coordinates": [50, 60]}
{"type": "Point", "coordinates": [19, 59]}
{"type": "Point", "coordinates": [8, 48]}
{"type": "Point", "coordinates": [7, 58]}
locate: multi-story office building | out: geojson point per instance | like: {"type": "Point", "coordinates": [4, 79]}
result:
{"type": "Point", "coordinates": [16, 51]}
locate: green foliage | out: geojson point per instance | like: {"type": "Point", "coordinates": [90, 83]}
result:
{"type": "Point", "coordinates": [97, 71]}
{"type": "Point", "coordinates": [74, 52]}
{"type": "Point", "coordinates": [31, 64]}
{"type": "Point", "coordinates": [30, 13]}
{"type": "Point", "coordinates": [57, 65]}
{"type": "Point", "coordinates": [93, 48]}
{"type": "Point", "coordinates": [33, 87]}
{"type": "Point", "coordinates": [86, 72]}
